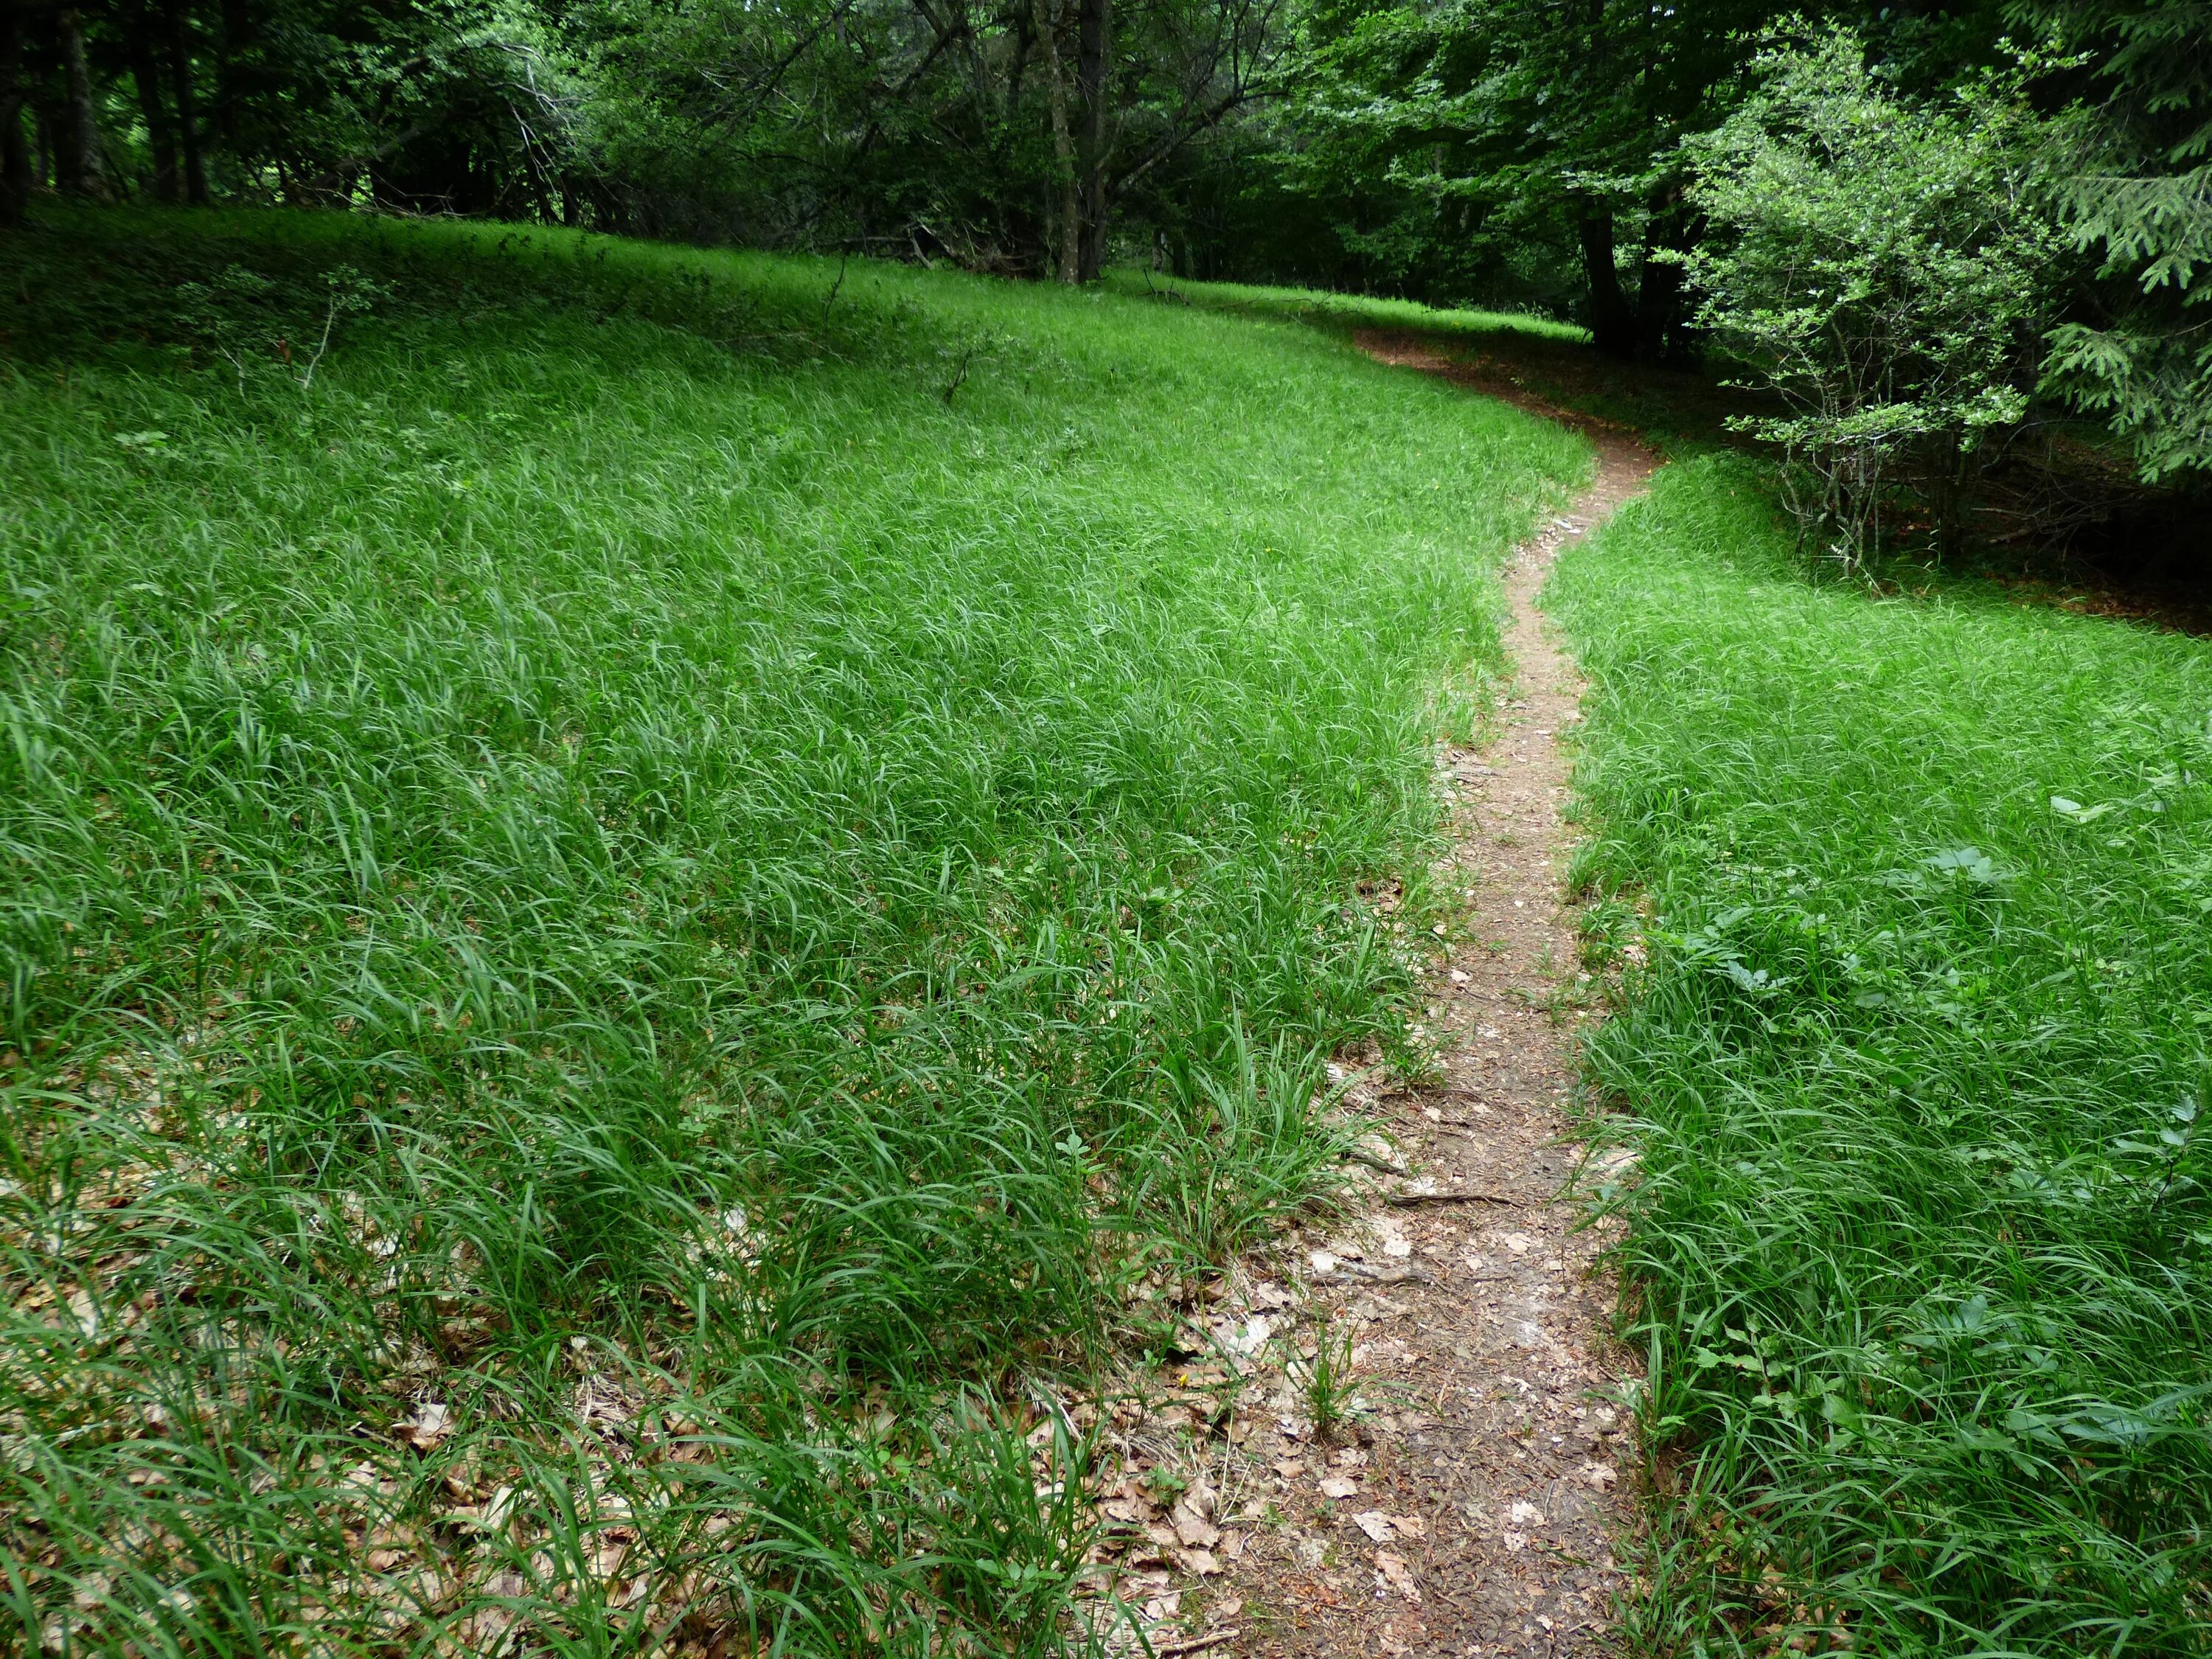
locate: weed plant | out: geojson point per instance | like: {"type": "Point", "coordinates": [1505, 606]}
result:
{"type": "Point", "coordinates": [636, 882]}
{"type": "Point", "coordinates": [1916, 1076]}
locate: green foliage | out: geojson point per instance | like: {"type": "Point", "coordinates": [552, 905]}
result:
{"type": "Point", "coordinates": [2133, 182]}
{"type": "Point", "coordinates": [1921, 1211]}
{"type": "Point", "coordinates": [1877, 262]}
{"type": "Point", "coordinates": [625, 919]}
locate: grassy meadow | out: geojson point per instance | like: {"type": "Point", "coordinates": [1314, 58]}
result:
{"type": "Point", "coordinates": [1915, 898]}
{"type": "Point", "coordinates": [641, 886]}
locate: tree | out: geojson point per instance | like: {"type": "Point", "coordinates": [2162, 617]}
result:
{"type": "Point", "coordinates": [2133, 182]}
{"type": "Point", "coordinates": [1878, 262]}
{"type": "Point", "coordinates": [1521, 119]}
{"type": "Point", "coordinates": [1004, 135]}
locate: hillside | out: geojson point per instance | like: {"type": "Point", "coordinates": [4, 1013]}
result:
{"type": "Point", "coordinates": [641, 886]}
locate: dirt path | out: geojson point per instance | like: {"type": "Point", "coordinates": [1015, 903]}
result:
{"type": "Point", "coordinates": [1477, 1517]}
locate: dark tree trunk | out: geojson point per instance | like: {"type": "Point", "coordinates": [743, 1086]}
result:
{"type": "Point", "coordinates": [1613, 323]}
{"type": "Point", "coordinates": [1094, 71]}
{"type": "Point", "coordinates": [1659, 309]}
{"type": "Point", "coordinates": [15, 149]}
{"type": "Point", "coordinates": [1662, 295]}
{"type": "Point", "coordinates": [234, 32]}
{"type": "Point", "coordinates": [153, 105]}
{"type": "Point", "coordinates": [188, 108]}
{"type": "Point", "coordinates": [80, 167]}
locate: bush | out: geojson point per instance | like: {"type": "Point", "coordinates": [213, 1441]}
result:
{"type": "Point", "coordinates": [1878, 264]}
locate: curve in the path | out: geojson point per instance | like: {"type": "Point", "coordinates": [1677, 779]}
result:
{"type": "Point", "coordinates": [1480, 1517]}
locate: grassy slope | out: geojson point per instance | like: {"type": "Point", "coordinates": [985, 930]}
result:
{"type": "Point", "coordinates": [1922, 1230]}
{"type": "Point", "coordinates": [680, 868]}
{"type": "Point", "coordinates": [1344, 311]}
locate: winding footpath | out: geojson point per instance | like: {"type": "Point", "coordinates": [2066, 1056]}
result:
{"type": "Point", "coordinates": [1476, 1513]}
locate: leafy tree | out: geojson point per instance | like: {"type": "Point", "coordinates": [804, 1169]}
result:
{"type": "Point", "coordinates": [1880, 264]}
{"type": "Point", "coordinates": [464, 106]}
{"type": "Point", "coordinates": [1005, 135]}
{"type": "Point", "coordinates": [1517, 123]}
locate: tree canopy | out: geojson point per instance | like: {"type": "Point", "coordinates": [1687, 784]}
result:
{"type": "Point", "coordinates": [1503, 152]}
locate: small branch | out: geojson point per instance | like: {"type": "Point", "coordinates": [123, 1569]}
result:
{"type": "Point", "coordinates": [1386, 1275]}
{"type": "Point", "coordinates": [1354, 1155]}
{"type": "Point", "coordinates": [330, 320]}
{"type": "Point", "coordinates": [1194, 1644]}
{"type": "Point", "coordinates": [1408, 1201]}
{"type": "Point", "coordinates": [959, 379]}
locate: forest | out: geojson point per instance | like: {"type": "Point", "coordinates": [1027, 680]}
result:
{"type": "Point", "coordinates": [1573, 160]}
{"type": "Point", "coordinates": [1108, 827]}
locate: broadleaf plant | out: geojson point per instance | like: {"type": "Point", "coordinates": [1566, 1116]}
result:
{"type": "Point", "coordinates": [1879, 265]}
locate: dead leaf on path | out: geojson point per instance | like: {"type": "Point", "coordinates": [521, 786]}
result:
{"type": "Point", "coordinates": [1195, 1531]}
{"type": "Point", "coordinates": [1375, 1524]}
{"type": "Point", "coordinates": [428, 1427]}
{"type": "Point", "coordinates": [1399, 1576]}
{"type": "Point", "coordinates": [1337, 1486]}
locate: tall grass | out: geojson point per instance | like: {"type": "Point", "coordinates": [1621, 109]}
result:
{"type": "Point", "coordinates": [1341, 312]}
{"type": "Point", "coordinates": [628, 911]}
{"type": "Point", "coordinates": [1916, 1076]}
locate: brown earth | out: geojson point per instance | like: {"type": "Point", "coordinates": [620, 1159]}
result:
{"type": "Point", "coordinates": [1474, 1507]}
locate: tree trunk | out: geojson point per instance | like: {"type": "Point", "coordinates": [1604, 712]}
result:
{"type": "Point", "coordinates": [153, 107]}
{"type": "Point", "coordinates": [1663, 293]}
{"type": "Point", "coordinates": [15, 149]}
{"type": "Point", "coordinates": [1094, 71]}
{"type": "Point", "coordinates": [1659, 307]}
{"type": "Point", "coordinates": [1613, 325]}
{"type": "Point", "coordinates": [1063, 148]}
{"type": "Point", "coordinates": [77, 149]}
{"type": "Point", "coordinates": [188, 109]}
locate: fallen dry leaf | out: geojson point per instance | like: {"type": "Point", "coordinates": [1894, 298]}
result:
{"type": "Point", "coordinates": [1397, 1574]}
{"type": "Point", "coordinates": [1337, 1487]}
{"type": "Point", "coordinates": [1194, 1530]}
{"type": "Point", "coordinates": [428, 1428]}
{"type": "Point", "coordinates": [1375, 1524]}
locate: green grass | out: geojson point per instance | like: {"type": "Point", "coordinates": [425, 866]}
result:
{"type": "Point", "coordinates": [1339, 312]}
{"type": "Point", "coordinates": [1916, 1076]}
{"type": "Point", "coordinates": [693, 862]}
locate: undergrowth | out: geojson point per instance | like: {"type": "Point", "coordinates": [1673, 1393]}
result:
{"type": "Point", "coordinates": [639, 884]}
{"type": "Point", "coordinates": [1916, 1076]}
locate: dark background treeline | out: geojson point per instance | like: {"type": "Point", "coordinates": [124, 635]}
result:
{"type": "Point", "coordinates": [1513, 152]}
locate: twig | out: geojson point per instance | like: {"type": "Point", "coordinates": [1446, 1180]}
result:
{"type": "Point", "coordinates": [330, 320]}
{"type": "Point", "coordinates": [1354, 1155]}
{"type": "Point", "coordinates": [1195, 1643]}
{"type": "Point", "coordinates": [1386, 1275]}
{"type": "Point", "coordinates": [959, 379]}
{"type": "Point", "coordinates": [834, 286]}
{"type": "Point", "coordinates": [1408, 1200]}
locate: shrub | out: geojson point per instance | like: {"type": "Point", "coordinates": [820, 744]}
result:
{"type": "Point", "coordinates": [1878, 264]}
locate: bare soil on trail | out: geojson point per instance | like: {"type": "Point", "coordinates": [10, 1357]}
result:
{"type": "Point", "coordinates": [1474, 1510]}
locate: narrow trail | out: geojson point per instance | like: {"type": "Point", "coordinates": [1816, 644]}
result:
{"type": "Point", "coordinates": [1476, 1515]}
